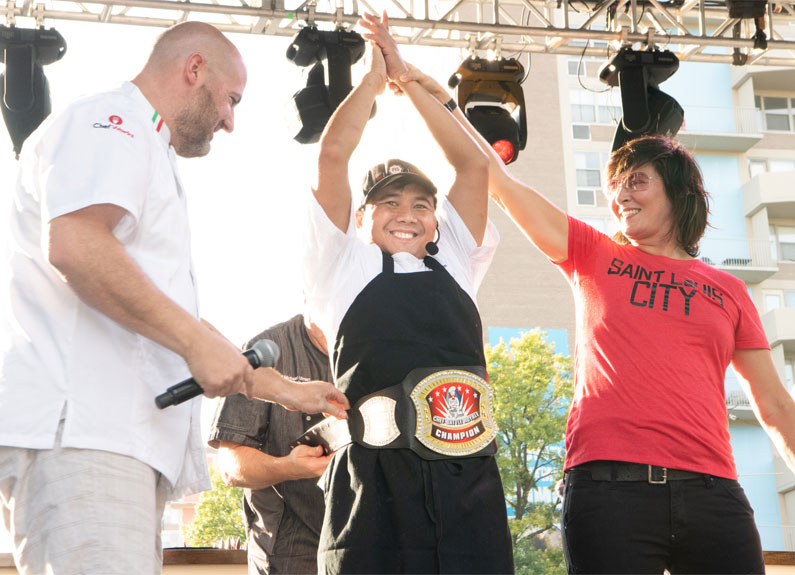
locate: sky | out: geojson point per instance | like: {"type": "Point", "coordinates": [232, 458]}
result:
{"type": "Point", "coordinates": [247, 197]}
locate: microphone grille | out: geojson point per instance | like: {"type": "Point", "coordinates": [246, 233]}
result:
{"type": "Point", "coordinates": [267, 352]}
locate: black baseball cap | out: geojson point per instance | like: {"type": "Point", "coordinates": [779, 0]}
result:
{"type": "Point", "coordinates": [394, 172]}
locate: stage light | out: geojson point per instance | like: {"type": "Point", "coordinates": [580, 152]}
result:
{"type": "Point", "coordinates": [499, 129]}
{"type": "Point", "coordinates": [315, 103]}
{"type": "Point", "coordinates": [26, 95]}
{"type": "Point", "coordinates": [746, 8]}
{"type": "Point", "coordinates": [754, 9]}
{"type": "Point", "coordinates": [490, 94]}
{"type": "Point", "coordinates": [646, 110]}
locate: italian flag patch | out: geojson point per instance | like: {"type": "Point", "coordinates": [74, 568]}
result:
{"type": "Point", "coordinates": [157, 121]}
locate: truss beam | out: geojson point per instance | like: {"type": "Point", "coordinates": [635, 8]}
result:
{"type": "Point", "coordinates": [696, 30]}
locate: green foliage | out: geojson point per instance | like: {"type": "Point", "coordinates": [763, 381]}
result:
{"type": "Point", "coordinates": [531, 561]}
{"type": "Point", "coordinates": [533, 390]}
{"type": "Point", "coordinates": [219, 515]}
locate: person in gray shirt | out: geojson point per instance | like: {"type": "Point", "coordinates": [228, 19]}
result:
{"type": "Point", "coordinates": [283, 504]}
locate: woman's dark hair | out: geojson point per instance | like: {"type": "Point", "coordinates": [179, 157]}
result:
{"type": "Point", "coordinates": [682, 181]}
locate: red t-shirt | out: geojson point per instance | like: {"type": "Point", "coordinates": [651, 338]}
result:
{"type": "Point", "coordinates": [654, 338]}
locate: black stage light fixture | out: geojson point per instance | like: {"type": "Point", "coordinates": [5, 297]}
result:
{"type": "Point", "coordinates": [754, 9]}
{"type": "Point", "coordinates": [490, 94]}
{"type": "Point", "coordinates": [646, 110]}
{"type": "Point", "coordinates": [25, 92]}
{"type": "Point", "coordinates": [746, 8]}
{"type": "Point", "coordinates": [315, 103]}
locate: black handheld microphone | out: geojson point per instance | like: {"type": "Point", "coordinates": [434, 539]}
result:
{"type": "Point", "coordinates": [264, 353]}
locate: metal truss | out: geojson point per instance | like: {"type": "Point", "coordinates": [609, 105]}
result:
{"type": "Point", "coordinates": [696, 30]}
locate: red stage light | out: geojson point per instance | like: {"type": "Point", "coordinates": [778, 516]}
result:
{"type": "Point", "coordinates": [505, 150]}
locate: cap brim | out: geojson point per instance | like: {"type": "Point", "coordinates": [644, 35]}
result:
{"type": "Point", "coordinates": [403, 178]}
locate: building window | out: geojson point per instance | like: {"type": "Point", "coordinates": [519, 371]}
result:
{"type": "Point", "coordinates": [586, 197]}
{"type": "Point", "coordinates": [785, 240]}
{"type": "Point", "coordinates": [758, 166]}
{"type": "Point", "coordinates": [789, 374]}
{"type": "Point", "coordinates": [781, 165]}
{"type": "Point", "coordinates": [580, 132]}
{"type": "Point", "coordinates": [772, 301]}
{"type": "Point", "coordinates": [595, 107]}
{"type": "Point", "coordinates": [572, 66]}
{"type": "Point", "coordinates": [775, 299]}
{"type": "Point", "coordinates": [589, 169]}
{"type": "Point", "coordinates": [609, 114]}
{"type": "Point", "coordinates": [591, 43]}
{"type": "Point", "coordinates": [582, 107]}
{"type": "Point", "coordinates": [777, 112]}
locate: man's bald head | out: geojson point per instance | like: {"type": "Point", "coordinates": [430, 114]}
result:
{"type": "Point", "coordinates": [176, 44]}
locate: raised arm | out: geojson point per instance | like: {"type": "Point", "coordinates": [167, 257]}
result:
{"type": "Point", "coordinates": [469, 193]}
{"type": "Point", "coordinates": [774, 407]}
{"type": "Point", "coordinates": [544, 224]}
{"type": "Point", "coordinates": [340, 138]}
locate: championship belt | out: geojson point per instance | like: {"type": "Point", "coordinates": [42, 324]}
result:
{"type": "Point", "coordinates": [437, 413]}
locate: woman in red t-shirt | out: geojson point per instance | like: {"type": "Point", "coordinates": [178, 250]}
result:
{"type": "Point", "coordinates": [651, 483]}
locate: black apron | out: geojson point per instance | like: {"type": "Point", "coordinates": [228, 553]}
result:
{"type": "Point", "coordinates": [388, 510]}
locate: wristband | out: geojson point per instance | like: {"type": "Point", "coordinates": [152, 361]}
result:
{"type": "Point", "coordinates": [451, 105]}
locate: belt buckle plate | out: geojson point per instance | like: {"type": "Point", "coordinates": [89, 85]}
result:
{"type": "Point", "coordinates": [662, 481]}
{"type": "Point", "coordinates": [455, 414]}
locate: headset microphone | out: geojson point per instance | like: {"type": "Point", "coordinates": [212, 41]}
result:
{"type": "Point", "coordinates": [431, 247]}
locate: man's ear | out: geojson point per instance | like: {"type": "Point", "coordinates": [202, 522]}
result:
{"type": "Point", "coordinates": [359, 218]}
{"type": "Point", "coordinates": [194, 66]}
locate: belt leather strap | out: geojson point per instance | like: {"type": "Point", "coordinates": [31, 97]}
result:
{"type": "Point", "coordinates": [626, 471]}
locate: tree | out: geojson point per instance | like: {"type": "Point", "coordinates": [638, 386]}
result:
{"type": "Point", "coordinates": [219, 515]}
{"type": "Point", "coordinates": [532, 394]}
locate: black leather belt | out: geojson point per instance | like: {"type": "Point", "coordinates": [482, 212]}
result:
{"type": "Point", "coordinates": [625, 471]}
{"type": "Point", "coordinates": [438, 413]}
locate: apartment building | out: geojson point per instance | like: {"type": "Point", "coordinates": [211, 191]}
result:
{"type": "Point", "coordinates": [740, 125]}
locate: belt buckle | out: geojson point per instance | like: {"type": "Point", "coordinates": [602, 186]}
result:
{"type": "Point", "coordinates": [662, 481]}
{"type": "Point", "coordinates": [455, 413]}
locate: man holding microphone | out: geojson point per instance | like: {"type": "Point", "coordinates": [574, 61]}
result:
{"type": "Point", "coordinates": [102, 316]}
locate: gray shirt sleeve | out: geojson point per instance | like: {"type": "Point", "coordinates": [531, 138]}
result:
{"type": "Point", "coordinates": [240, 421]}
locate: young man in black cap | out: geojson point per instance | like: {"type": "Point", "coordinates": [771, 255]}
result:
{"type": "Point", "coordinates": [417, 490]}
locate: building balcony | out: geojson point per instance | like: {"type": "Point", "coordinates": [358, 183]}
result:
{"type": "Point", "coordinates": [779, 327]}
{"type": "Point", "coordinates": [768, 78]}
{"type": "Point", "coordinates": [773, 191]}
{"type": "Point", "coordinates": [750, 260]}
{"type": "Point", "coordinates": [738, 408]}
{"type": "Point", "coordinates": [720, 129]}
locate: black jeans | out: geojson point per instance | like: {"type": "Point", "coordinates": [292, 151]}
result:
{"type": "Point", "coordinates": [702, 525]}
